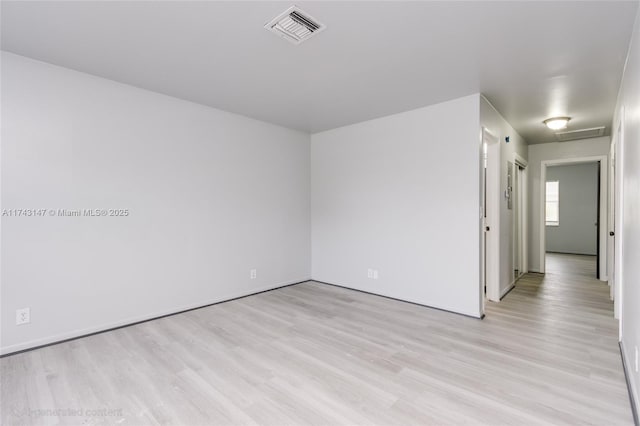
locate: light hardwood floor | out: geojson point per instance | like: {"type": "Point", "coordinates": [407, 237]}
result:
{"type": "Point", "coordinates": [322, 355]}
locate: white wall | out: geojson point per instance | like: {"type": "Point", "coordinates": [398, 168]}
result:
{"type": "Point", "coordinates": [210, 194]}
{"type": "Point", "coordinates": [554, 151]}
{"type": "Point", "coordinates": [576, 232]}
{"type": "Point", "coordinates": [400, 194]}
{"type": "Point", "coordinates": [629, 101]}
{"type": "Point", "coordinates": [497, 125]}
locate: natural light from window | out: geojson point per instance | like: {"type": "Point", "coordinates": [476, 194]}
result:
{"type": "Point", "coordinates": [552, 210]}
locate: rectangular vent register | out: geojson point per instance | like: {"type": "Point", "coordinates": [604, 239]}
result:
{"type": "Point", "coordinates": [295, 25]}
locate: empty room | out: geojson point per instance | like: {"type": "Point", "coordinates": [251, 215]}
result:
{"type": "Point", "coordinates": [319, 212]}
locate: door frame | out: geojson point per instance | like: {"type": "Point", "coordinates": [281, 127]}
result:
{"type": "Point", "coordinates": [523, 195]}
{"type": "Point", "coordinates": [611, 225]}
{"type": "Point", "coordinates": [602, 207]}
{"type": "Point", "coordinates": [618, 222]}
{"type": "Point", "coordinates": [490, 241]}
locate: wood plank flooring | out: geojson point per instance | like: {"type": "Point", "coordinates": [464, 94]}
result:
{"type": "Point", "coordinates": [314, 354]}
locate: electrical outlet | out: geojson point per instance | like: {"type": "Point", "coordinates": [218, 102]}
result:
{"type": "Point", "coordinates": [375, 274]}
{"type": "Point", "coordinates": [253, 274]}
{"type": "Point", "coordinates": [369, 273]}
{"type": "Point", "coordinates": [23, 316]}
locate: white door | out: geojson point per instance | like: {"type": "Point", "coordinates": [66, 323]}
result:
{"type": "Point", "coordinates": [612, 219]}
{"type": "Point", "coordinates": [618, 222]}
{"type": "Point", "coordinates": [519, 239]}
{"type": "Point", "coordinates": [490, 219]}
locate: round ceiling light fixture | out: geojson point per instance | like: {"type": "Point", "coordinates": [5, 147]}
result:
{"type": "Point", "coordinates": [557, 123]}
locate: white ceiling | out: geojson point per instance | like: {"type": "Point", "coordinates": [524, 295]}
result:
{"type": "Point", "coordinates": [532, 60]}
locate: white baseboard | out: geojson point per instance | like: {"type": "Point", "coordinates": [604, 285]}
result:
{"type": "Point", "coordinates": [5, 350]}
{"type": "Point", "coordinates": [631, 386]}
{"type": "Point", "coordinates": [426, 304]}
{"type": "Point", "coordinates": [507, 290]}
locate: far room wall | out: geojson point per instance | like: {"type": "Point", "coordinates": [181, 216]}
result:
{"type": "Point", "coordinates": [400, 195]}
{"type": "Point", "coordinates": [576, 231]}
{"type": "Point", "coordinates": [209, 196]}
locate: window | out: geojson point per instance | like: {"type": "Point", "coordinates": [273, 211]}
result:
{"type": "Point", "coordinates": [552, 210]}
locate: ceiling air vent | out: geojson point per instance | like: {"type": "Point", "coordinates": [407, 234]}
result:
{"type": "Point", "coordinates": [295, 25]}
{"type": "Point", "coordinates": [580, 134]}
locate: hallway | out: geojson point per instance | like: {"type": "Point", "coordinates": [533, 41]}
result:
{"type": "Point", "coordinates": [568, 337]}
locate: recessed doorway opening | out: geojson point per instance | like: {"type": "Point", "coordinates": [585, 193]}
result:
{"type": "Point", "coordinates": [573, 209]}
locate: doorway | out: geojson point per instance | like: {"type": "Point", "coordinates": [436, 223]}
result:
{"type": "Point", "coordinates": [570, 221]}
{"type": "Point", "coordinates": [519, 207]}
{"type": "Point", "coordinates": [490, 218]}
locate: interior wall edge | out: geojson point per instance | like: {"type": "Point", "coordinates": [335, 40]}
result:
{"type": "Point", "coordinates": [370, 213]}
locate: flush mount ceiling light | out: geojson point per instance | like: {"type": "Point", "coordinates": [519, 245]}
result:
{"type": "Point", "coordinates": [294, 25]}
{"type": "Point", "coordinates": [557, 123]}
